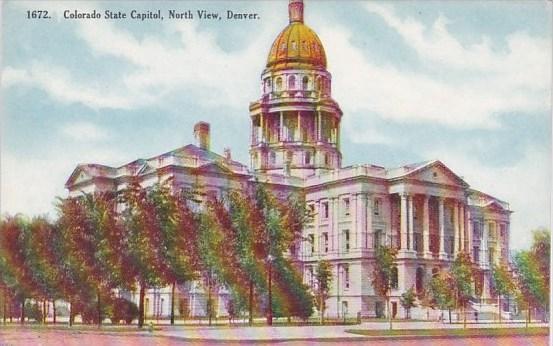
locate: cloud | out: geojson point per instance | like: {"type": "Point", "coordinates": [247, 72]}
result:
{"type": "Point", "coordinates": [463, 87]}
{"type": "Point", "coordinates": [84, 131]}
{"type": "Point", "coordinates": [58, 83]}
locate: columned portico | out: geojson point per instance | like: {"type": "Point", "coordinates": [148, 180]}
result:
{"type": "Point", "coordinates": [410, 231]}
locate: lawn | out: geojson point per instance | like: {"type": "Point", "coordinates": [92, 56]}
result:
{"type": "Point", "coordinates": [454, 332]}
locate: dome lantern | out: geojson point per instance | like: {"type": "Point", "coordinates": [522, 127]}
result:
{"type": "Point", "coordinates": [295, 11]}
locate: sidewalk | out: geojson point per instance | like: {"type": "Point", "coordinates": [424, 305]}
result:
{"type": "Point", "coordinates": [307, 333]}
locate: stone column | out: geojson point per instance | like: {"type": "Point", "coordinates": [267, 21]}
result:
{"type": "Point", "coordinates": [319, 126]}
{"type": "Point", "coordinates": [410, 230]}
{"type": "Point", "coordinates": [281, 131]}
{"type": "Point", "coordinates": [298, 134]}
{"type": "Point", "coordinates": [484, 246]}
{"type": "Point", "coordinates": [441, 226]}
{"type": "Point", "coordinates": [403, 223]}
{"type": "Point", "coordinates": [470, 231]}
{"type": "Point", "coordinates": [335, 220]}
{"type": "Point", "coordinates": [426, 227]}
{"type": "Point", "coordinates": [462, 225]}
{"type": "Point", "coordinates": [456, 245]}
{"type": "Point", "coordinates": [331, 223]}
{"type": "Point", "coordinates": [261, 126]}
{"type": "Point", "coordinates": [369, 220]}
{"type": "Point", "coordinates": [354, 221]}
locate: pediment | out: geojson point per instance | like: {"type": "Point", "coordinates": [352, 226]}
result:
{"type": "Point", "coordinates": [79, 175]}
{"type": "Point", "coordinates": [214, 167]}
{"type": "Point", "coordinates": [437, 173]}
{"type": "Point", "coordinates": [494, 206]}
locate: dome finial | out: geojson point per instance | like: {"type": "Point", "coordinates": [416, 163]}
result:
{"type": "Point", "coordinates": [295, 11]}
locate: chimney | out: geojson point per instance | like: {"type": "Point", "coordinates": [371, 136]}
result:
{"type": "Point", "coordinates": [295, 11]}
{"type": "Point", "coordinates": [227, 154]}
{"type": "Point", "coordinates": [201, 134]}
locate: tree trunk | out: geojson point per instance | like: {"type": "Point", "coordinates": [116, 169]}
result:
{"type": "Point", "coordinates": [389, 312]}
{"type": "Point", "coordinates": [209, 302]}
{"type": "Point", "coordinates": [4, 305]}
{"type": "Point", "coordinates": [499, 307]}
{"type": "Point", "coordinates": [173, 304]}
{"type": "Point", "coordinates": [99, 307]}
{"type": "Point", "coordinates": [250, 320]}
{"type": "Point", "coordinates": [22, 320]}
{"type": "Point", "coordinates": [449, 313]}
{"type": "Point", "coordinates": [70, 312]}
{"type": "Point", "coordinates": [141, 305]}
{"type": "Point", "coordinates": [321, 307]}
{"type": "Point", "coordinates": [44, 311]}
{"type": "Point", "coordinates": [54, 310]}
{"type": "Point", "coordinates": [270, 314]}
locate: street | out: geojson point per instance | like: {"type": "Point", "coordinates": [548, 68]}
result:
{"type": "Point", "coordinates": [76, 338]}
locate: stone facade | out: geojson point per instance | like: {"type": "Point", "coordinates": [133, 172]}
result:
{"type": "Point", "coordinates": [424, 209]}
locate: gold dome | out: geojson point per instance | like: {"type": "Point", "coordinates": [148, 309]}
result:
{"type": "Point", "coordinates": [297, 46]}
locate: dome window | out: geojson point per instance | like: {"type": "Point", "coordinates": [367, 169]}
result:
{"type": "Point", "coordinates": [278, 83]}
{"type": "Point", "coordinates": [292, 83]}
{"type": "Point", "coordinates": [283, 46]}
{"type": "Point", "coordinates": [305, 83]}
{"type": "Point", "coordinates": [294, 45]}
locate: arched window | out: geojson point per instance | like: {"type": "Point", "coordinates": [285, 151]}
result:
{"type": "Point", "coordinates": [278, 84]}
{"type": "Point", "coordinates": [394, 278]}
{"type": "Point", "coordinates": [305, 83]}
{"type": "Point", "coordinates": [292, 83]}
{"type": "Point", "coordinates": [419, 281]}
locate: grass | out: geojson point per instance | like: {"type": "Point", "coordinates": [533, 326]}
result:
{"type": "Point", "coordinates": [455, 332]}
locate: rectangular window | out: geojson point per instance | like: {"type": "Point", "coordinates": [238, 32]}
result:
{"type": "Point", "coordinates": [346, 206]}
{"type": "Point", "coordinates": [307, 158]}
{"type": "Point", "coordinates": [377, 238]}
{"type": "Point", "coordinates": [476, 253]}
{"type": "Point", "coordinates": [325, 210]}
{"type": "Point", "coordinates": [377, 205]}
{"type": "Point", "coordinates": [325, 242]}
{"type": "Point", "coordinates": [346, 241]}
{"type": "Point", "coordinates": [346, 276]}
{"type": "Point", "coordinates": [311, 238]}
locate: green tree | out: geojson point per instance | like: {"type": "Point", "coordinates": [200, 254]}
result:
{"type": "Point", "coordinates": [503, 283]}
{"type": "Point", "coordinates": [144, 237]}
{"type": "Point", "coordinates": [532, 272]}
{"type": "Point", "coordinates": [384, 268]}
{"type": "Point", "coordinates": [408, 301]}
{"type": "Point", "coordinates": [441, 292]}
{"type": "Point", "coordinates": [462, 274]}
{"type": "Point", "coordinates": [323, 277]}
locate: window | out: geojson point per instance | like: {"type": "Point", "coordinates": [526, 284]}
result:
{"type": "Point", "coordinates": [377, 238]}
{"type": "Point", "coordinates": [279, 83]}
{"type": "Point", "coordinates": [325, 210]}
{"type": "Point", "coordinates": [311, 239]}
{"type": "Point", "coordinates": [476, 253]}
{"type": "Point", "coordinates": [305, 83]}
{"type": "Point", "coordinates": [394, 278]}
{"type": "Point", "coordinates": [346, 206]}
{"type": "Point", "coordinates": [273, 158]}
{"type": "Point", "coordinates": [292, 83]}
{"type": "Point", "coordinates": [491, 255]}
{"type": "Point", "coordinates": [346, 276]}
{"type": "Point", "coordinates": [325, 242]}
{"type": "Point", "coordinates": [346, 240]}
{"type": "Point", "coordinates": [310, 277]}
{"type": "Point", "coordinates": [307, 158]}
{"type": "Point", "coordinates": [289, 156]}
{"type": "Point", "coordinates": [327, 159]}
{"type": "Point", "coordinates": [377, 205]}
{"type": "Point", "coordinates": [311, 208]}
{"type": "Point", "coordinates": [318, 84]}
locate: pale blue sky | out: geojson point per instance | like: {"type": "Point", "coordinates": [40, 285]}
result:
{"type": "Point", "coordinates": [466, 82]}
